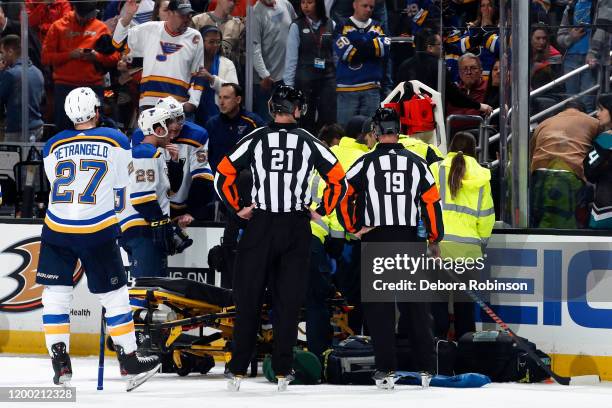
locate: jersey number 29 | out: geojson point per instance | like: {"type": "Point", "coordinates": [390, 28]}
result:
{"type": "Point", "coordinates": [66, 172]}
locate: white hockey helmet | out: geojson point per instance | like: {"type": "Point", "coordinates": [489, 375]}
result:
{"type": "Point", "coordinates": [171, 105]}
{"type": "Point", "coordinates": [80, 105]}
{"type": "Point", "coordinates": [149, 118]}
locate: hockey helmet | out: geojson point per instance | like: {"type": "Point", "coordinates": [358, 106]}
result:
{"type": "Point", "coordinates": [285, 99]}
{"type": "Point", "coordinates": [174, 107]}
{"type": "Point", "coordinates": [385, 121]}
{"type": "Point", "coordinates": [81, 105]}
{"type": "Point", "coordinates": [149, 119]}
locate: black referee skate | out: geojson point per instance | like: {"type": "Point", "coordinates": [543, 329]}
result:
{"type": "Point", "coordinates": [61, 364]}
{"type": "Point", "coordinates": [136, 368]}
{"type": "Point", "coordinates": [385, 380]}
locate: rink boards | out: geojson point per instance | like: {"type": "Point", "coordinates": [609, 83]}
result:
{"type": "Point", "coordinates": [577, 333]}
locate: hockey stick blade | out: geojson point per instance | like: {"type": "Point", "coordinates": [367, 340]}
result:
{"type": "Point", "coordinates": [136, 381]}
{"type": "Point", "coordinates": [577, 380]}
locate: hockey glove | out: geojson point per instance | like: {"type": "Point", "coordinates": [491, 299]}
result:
{"type": "Point", "coordinates": [162, 233]}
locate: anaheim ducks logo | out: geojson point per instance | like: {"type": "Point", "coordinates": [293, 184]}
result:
{"type": "Point", "coordinates": [19, 291]}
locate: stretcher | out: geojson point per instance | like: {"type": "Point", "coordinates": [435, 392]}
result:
{"type": "Point", "coordinates": [190, 324]}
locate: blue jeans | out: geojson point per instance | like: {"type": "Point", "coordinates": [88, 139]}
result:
{"type": "Point", "coordinates": [145, 259]}
{"type": "Point", "coordinates": [350, 104]}
{"type": "Point", "coordinates": [581, 82]}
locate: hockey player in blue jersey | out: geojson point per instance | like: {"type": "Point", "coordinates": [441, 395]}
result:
{"type": "Point", "coordinates": [195, 188]}
{"type": "Point", "coordinates": [144, 210]}
{"type": "Point", "coordinates": [84, 166]}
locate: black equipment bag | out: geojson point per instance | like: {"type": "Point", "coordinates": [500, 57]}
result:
{"type": "Point", "coordinates": [446, 353]}
{"type": "Point", "coordinates": [496, 355]}
{"type": "Point", "coordinates": [350, 362]}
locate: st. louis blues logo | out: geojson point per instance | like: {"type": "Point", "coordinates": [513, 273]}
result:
{"type": "Point", "coordinates": [167, 49]}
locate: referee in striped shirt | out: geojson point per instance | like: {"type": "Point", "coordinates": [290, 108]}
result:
{"type": "Point", "coordinates": [275, 247]}
{"type": "Point", "coordinates": [389, 190]}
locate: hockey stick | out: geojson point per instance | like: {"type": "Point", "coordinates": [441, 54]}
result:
{"type": "Point", "coordinates": [576, 380]}
{"type": "Point", "coordinates": [101, 354]}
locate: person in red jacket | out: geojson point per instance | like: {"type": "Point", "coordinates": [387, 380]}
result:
{"type": "Point", "coordinates": [41, 14]}
{"type": "Point", "coordinates": [79, 48]}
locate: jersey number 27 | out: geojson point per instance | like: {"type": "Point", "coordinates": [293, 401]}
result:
{"type": "Point", "coordinates": [65, 174]}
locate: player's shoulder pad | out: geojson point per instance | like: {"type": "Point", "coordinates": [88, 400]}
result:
{"type": "Point", "coordinates": [114, 134]}
{"type": "Point", "coordinates": [192, 134]}
{"type": "Point", "coordinates": [145, 151]}
{"type": "Point", "coordinates": [137, 137]}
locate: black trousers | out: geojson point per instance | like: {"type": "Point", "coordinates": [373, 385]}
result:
{"type": "Point", "coordinates": [348, 280]}
{"type": "Point", "coordinates": [273, 252]}
{"type": "Point", "coordinates": [464, 319]}
{"type": "Point", "coordinates": [415, 317]}
{"type": "Point", "coordinates": [319, 331]}
{"type": "Point", "coordinates": [320, 97]}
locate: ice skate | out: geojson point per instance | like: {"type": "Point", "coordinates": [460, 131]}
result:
{"type": "Point", "coordinates": [283, 381]}
{"type": "Point", "coordinates": [425, 379]}
{"type": "Point", "coordinates": [385, 380]}
{"type": "Point", "coordinates": [136, 368]}
{"type": "Point", "coordinates": [61, 365]}
{"type": "Point", "coordinates": [233, 381]}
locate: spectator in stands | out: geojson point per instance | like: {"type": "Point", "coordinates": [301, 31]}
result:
{"type": "Point", "coordinates": [9, 26]}
{"type": "Point", "coordinates": [160, 10]}
{"type": "Point", "coordinates": [481, 38]}
{"type": "Point", "coordinates": [271, 21]}
{"type": "Point", "coordinates": [575, 40]}
{"type": "Point", "coordinates": [10, 92]}
{"type": "Point", "coordinates": [239, 9]}
{"type": "Point", "coordinates": [493, 84]}
{"type": "Point", "coordinates": [361, 47]}
{"type": "Point", "coordinates": [80, 50]}
{"type": "Point", "coordinates": [599, 47]}
{"type": "Point", "coordinates": [546, 60]}
{"type": "Point", "coordinates": [471, 84]}
{"type": "Point", "coordinates": [169, 72]}
{"type": "Point", "coordinates": [232, 31]}
{"type": "Point", "coordinates": [309, 64]}
{"type": "Point", "coordinates": [598, 167]}
{"type": "Point", "coordinates": [423, 67]}
{"type": "Point", "coordinates": [143, 14]}
{"type": "Point", "coordinates": [558, 147]}
{"type": "Point", "coordinates": [230, 125]}
{"type": "Point", "coordinates": [41, 14]}
{"type": "Point", "coordinates": [217, 70]}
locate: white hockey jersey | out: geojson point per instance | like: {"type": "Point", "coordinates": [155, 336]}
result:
{"type": "Point", "coordinates": [148, 183]}
{"type": "Point", "coordinates": [169, 60]}
{"type": "Point", "coordinates": [84, 167]}
{"type": "Point", "coordinates": [192, 143]}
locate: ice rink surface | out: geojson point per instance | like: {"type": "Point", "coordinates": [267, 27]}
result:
{"type": "Point", "coordinates": [208, 391]}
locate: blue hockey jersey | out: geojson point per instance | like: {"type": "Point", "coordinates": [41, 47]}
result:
{"type": "Point", "coordinates": [361, 52]}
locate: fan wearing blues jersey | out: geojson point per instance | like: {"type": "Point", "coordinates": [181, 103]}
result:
{"type": "Point", "coordinates": [144, 209]}
{"type": "Point", "coordinates": [84, 166]}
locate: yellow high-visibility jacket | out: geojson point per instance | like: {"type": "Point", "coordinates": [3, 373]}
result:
{"type": "Point", "coordinates": [427, 152]}
{"type": "Point", "coordinates": [470, 215]}
{"type": "Point", "coordinates": [347, 152]}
